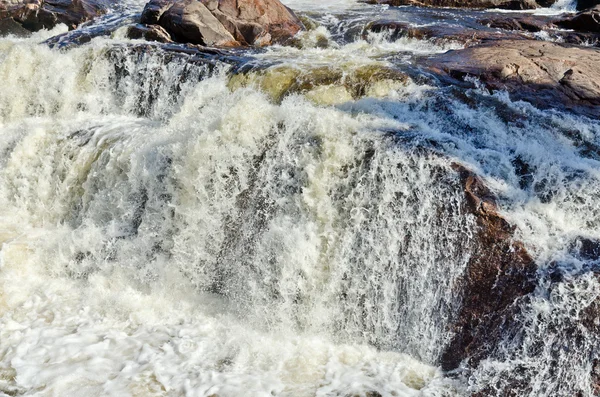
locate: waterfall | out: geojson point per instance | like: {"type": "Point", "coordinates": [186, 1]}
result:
{"type": "Point", "coordinates": [166, 230]}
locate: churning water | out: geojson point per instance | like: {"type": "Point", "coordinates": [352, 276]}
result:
{"type": "Point", "coordinates": [172, 226]}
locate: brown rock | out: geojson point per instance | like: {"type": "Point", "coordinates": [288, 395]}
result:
{"type": "Point", "coordinates": [586, 4]}
{"type": "Point", "coordinates": [525, 23]}
{"type": "Point", "coordinates": [586, 21]}
{"type": "Point", "coordinates": [224, 22]}
{"type": "Point", "coordinates": [503, 4]}
{"type": "Point", "coordinates": [499, 273]}
{"type": "Point", "coordinates": [549, 75]}
{"type": "Point", "coordinates": [440, 33]}
{"type": "Point", "coordinates": [35, 15]}
{"type": "Point", "coordinates": [149, 32]}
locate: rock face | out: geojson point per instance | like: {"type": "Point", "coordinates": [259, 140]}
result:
{"type": "Point", "coordinates": [149, 33]}
{"type": "Point", "coordinates": [35, 15]}
{"type": "Point", "coordinates": [223, 22]}
{"type": "Point", "coordinates": [526, 23]}
{"type": "Point", "coordinates": [499, 273]}
{"type": "Point", "coordinates": [585, 4]}
{"type": "Point", "coordinates": [549, 75]}
{"type": "Point", "coordinates": [503, 4]}
{"type": "Point", "coordinates": [586, 21]}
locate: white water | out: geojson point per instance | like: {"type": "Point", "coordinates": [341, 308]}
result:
{"type": "Point", "coordinates": [168, 236]}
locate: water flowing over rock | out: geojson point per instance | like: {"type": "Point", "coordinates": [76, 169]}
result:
{"type": "Point", "coordinates": [398, 202]}
{"type": "Point", "coordinates": [224, 22]}
{"type": "Point", "coordinates": [546, 74]}
{"type": "Point", "coordinates": [502, 4]}
{"type": "Point", "coordinates": [499, 273]}
{"type": "Point", "coordinates": [45, 14]}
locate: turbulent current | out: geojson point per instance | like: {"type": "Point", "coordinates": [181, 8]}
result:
{"type": "Point", "coordinates": [175, 225]}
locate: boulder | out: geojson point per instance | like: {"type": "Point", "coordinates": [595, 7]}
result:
{"type": "Point", "coordinates": [586, 4]}
{"type": "Point", "coordinates": [224, 22]}
{"type": "Point", "coordinates": [525, 23]}
{"type": "Point", "coordinates": [500, 272]}
{"type": "Point", "coordinates": [149, 33]}
{"type": "Point", "coordinates": [586, 21]}
{"type": "Point", "coordinates": [549, 75]}
{"type": "Point", "coordinates": [502, 4]}
{"type": "Point", "coordinates": [35, 15]}
{"type": "Point", "coordinates": [439, 33]}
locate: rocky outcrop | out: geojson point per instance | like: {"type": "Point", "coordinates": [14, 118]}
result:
{"type": "Point", "coordinates": [549, 75]}
{"type": "Point", "coordinates": [149, 33]}
{"type": "Point", "coordinates": [35, 15]}
{"type": "Point", "coordinates": [502, 4]}
{"type": "Point", "coordinates": [586, 21]}
{"type": "Point", "coordinates": [587, 4]}
{"type": "Point", "coordinates": [500, 272]}
{"type": "Point", "coordinates": [525, 23]}
{"type": "Point", "coordinates": [228, 23]}
{"type": "Point", "coordinates": [439, 34]}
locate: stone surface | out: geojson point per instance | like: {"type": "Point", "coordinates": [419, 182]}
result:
{"type": "Point", "coordinates": [586, 21]}
{"type": "Point", "coordinates": [149, 33]}
{"type": "Point", "coordinates": [499, 273]}
{"type": "Point", "coordinates": [502, 4]}
{"type": "Point", "coordinates": [440, 33]}
{"type": "Point", "coordinates": [586, 4]}
{"type": "Point", "coordinates": [224, 22]}
{"type": "Point", "coordinates": [549, 75]}
{"type": "Point", "coordinates": [525, 23]}
{"type": "Point", "coordinates": [35, 15]}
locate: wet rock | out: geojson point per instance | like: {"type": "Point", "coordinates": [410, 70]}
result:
{"type": "Point", "coordinates": [586, 21]}
{"type": "Point", "coordinates": [439, 34]}
{"type": "Point", "coordinates": [502, 4]}
{"type": "Point", "coordinates": [499, 274]}
{"type": "Point", "coordinates": [149, 33]}
{"type": "Point", "coordinates": [525, 23]}
{"type": "Point", "coordinates": [35, 15]}
{"type": "Point", "coordinates": [224, 22]}
{"type": "Point", "coordinates": [586, 249]}
{"type": "Point", "coordinates": [8, 26]}
{"type": "Point", "coordinates": [586, 4]}
{"type": "Point", "coordinates": [324, 85]}
{"type": "Point", "coordinates": [549, 75]}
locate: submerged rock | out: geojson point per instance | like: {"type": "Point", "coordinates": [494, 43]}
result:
{"type": "Point", "coordinates": [45, 14]}
{"type": "Point", "coordinates": [499, 273]}
{"type": "Point", "coordinates": [323, 85]}
{"type": "Point", "coordinates": [502, 4]}
{"type": "Point", "coordinates": [227, 23]}
{"type": "Point", "coordinates": [549, 75]}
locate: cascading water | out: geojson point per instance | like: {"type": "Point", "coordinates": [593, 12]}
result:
{"type": "Point", "coordinates": [169, 231]}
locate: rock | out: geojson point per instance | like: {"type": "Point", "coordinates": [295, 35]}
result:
{"type": "Point", "coordinates": [502, 4]}
{"type": "Point", "coordinates": [8, 26]}
{"type": "Point", "coordinates": [525, 23]}
{"type": "Point", "coordinates": [499, 273]}
{"type": "Point", "coordinates": [439, 33]}
{"type": "Point", "coordinates": [45, 14]}
{"type": "Point", "coordinates": [321, 84]}
{"type": "Point", "coordinates": [549, 75]}
{"type": "Point", "coordinates": [586, 21]}
{"type": "Point", "coordinates": [587, 4]}
{"type": "Point", "coordinates": [224, 22]}
{"type": "Point", "coordinates": [149, 33]}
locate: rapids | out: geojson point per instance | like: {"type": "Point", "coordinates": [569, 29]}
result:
{"type": "Point", "coordinates": [179, 226]}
